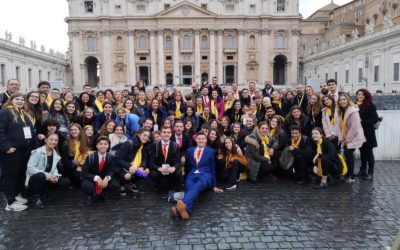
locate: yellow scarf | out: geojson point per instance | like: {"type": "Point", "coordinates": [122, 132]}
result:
{"type": "Point", "coordinates": [78, 157]}
{"type": "Point", "coordinates": [20, 112]}
{"type": "Point", "coordinates": [254, 112]}
{"type": "Point", "coordinates": [199, 109]}
{"type": "Point", "coordinates": [127, 111]}
{"type": "Point", "coordinates": [272, 132]}
{"type": "Point", "coordinates": [142, 102]}
{"type": "Point", "coordinates": [206, 118]}
{"type": "Point", "coordinates": [214, 109]}
{"type": "Point", "coordinates": [277, 102]}
{"type": "Point", "coordinates": [359, 103]}
{"type": "Point", "coordinates": [154, 114]}
{"type": "Point", "coordinates": [319, 152]}
{"type": "Point", "coordinates": [228, 105]}
{"type": "Point", "coordinates": [138, 158]}
{"type": "Point", "coordinates": [265, 142]}
{"type": "Point", "coordinates": [296, 144]}
{"type": "Point", "coordinates": [236, 95]}
{"type": "Point", "coordinates": [31, 118]}
{"type": "Point", "coordinates": [99, 105]}
{"type": "Point", "coordinates": [330, 115]}
{"type": "Point", "coordinates": [178, 112]}
{"type": "Point", "coordinates": [49, 100]}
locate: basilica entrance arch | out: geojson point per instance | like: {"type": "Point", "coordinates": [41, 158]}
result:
{"type": "Point", "coordinates": [92, 71]}
{"type": "Point", "coordinates": [280, 62]}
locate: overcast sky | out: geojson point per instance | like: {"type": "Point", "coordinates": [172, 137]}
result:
{"type": "Point", "coordinates": [43, 20]}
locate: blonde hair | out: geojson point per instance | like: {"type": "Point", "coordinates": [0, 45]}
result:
{"type": "Point", "coordinates": [8, 105]}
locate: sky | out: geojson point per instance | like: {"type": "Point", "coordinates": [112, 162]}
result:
{"type": "Point", "coordinates": [43, 20]}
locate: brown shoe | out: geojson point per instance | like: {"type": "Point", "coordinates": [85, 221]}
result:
{"type": "Point", "coordinates": [180, 205]}
{"type": "Point", "coordinates": [173, 212]}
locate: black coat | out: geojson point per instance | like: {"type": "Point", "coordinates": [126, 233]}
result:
{"type": "Point", "coordinates": [12, 133]}
{"type": "Point", "coordinates": [186, 142]}
{"type": "Point", "coordinates": [91, 167]}
{"type": "Point", "coordinates": [101, 119]}
{"type": "Point", "coordinates": [218, 88]}
{"type": "Point", "coordinates": [305, 126]}
{"type": "Point", "coordinates": [157, 157]}
{"type": "Point", "coordinates": [369, 117]}
{"type": "Point", "coordinates": [328, 149]}
{"type": "Point", "coordinates": [300, 101]}
{"type": "Point", "coordinates": [127, 153]}
{"type": "Point", "coordinates": [304, 148]}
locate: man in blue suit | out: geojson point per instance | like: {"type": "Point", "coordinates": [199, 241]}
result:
{"type": "Point", "coordinates": [201, 168]}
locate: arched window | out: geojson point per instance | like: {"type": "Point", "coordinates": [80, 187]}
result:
{"type": "Point", "coordinates": [204, 42]}
{"type": "Point", "coordinates": [229, 42]}
{"type": "Point", "coordinates": [280, 42]}
{"type": "Point", "coordinates": [119, 42]}
{"type": "Point", "coordinates": [142, 42]}
{"type": "Point", "coordinates": [186, 42]}
{"type": "Point", "coordinates": [252, 42]}
{"type": "Point", "coordinates": [168, 43]}
{"type": "Point", "coordinates": [91, 43]}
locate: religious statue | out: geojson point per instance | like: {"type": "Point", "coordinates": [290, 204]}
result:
{"type": "Point", "coordinates": [33, 44]}
{"type": "Point", "coordinates": [387, 20]}
{"type": "Point", "coordinates": [42, 48]}
{"type": "Point", "coordinates": [8, 35]}
{"type": "Point", "coordinates": [369, 28]}
{"type": "Point", "coordinates": [51, 51]}
{"type": "Point", "coordinates": [22, 41]}
{"type": "Point", "coordinates": [354, 33]}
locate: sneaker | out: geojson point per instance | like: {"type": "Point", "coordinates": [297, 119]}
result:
{"type": "Point", "coordinates": [368, 178]}
{"type": "Point", "coordinates": [132, 187]}
{"type": "Point", "coordinates": [21, 200]}
{"type": "Point", "coordinates": [16, 207]}
{"type": "Point", "coordinates": [122, 191]}
{"type": "Point", "coordinates": [361, 174]}
{"type": "Point", "coordinates": [321, 186]}
{"type": "Point", "coordinates": [231, 187]}
{"type": "Point", "coordinates": [37, 202]}
{"type": "Point", "coordinates": [350, 180]}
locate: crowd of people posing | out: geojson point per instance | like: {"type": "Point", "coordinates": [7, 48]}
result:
{"type": "Point", "coordinates": [129, 140]}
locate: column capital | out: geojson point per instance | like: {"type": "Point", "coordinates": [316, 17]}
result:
{"type": "Point", "coordinates": [240, 31]}
{"type": "Point", "coordinates": [196, 31]}
{"type": "Point", "coordinates": [265, 31]}
{"type": "Point", "coordinates": [211, 31]}
{"type": "Point", "coordinates": [175, 31]}
{"type": "Point", "coordinates": [131, 32]}
{"type": "Point", "coordinates": [152, 32]}
{"type": "Point", "coordinates": [296, 32]}
{"type": "Point", "coordinates": [220, 32]}
{"type": "Point", "coordinates": [160, 32]}
{"type": "Point", "coordinates": [105, 32]}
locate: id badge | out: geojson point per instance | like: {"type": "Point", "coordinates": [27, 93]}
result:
{"type": "Point", "coordinates": [197, 171]}
{"type": "Point", "coordinates": [155, 127]}
{"type": "Point", "coordinates": [27, 133]}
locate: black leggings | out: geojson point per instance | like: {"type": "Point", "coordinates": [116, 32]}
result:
{"type": "Point", "coordinates": [38, 183]}
{"type": "Point", "coordinates": [367, 156]}
{"type": "Point", "coordinates": [329, 167]}
{"type": "Point", "coordinates": [230, 175]}
{"type": "Point", "coordinates": [13, 171]}
{"type": "Point", "coordinates": [301, 167]}
{"type": "Point", "coordinates": [349, 155]}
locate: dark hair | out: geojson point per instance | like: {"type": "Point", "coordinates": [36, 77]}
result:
{"type": "Point", "coordinates": [102, 138]}
{"type": "Point", "coordinates": [103, 128]}
{"type": "Point", "coordinates": [234, 150]}
{"type": "Point", "coordinates": [100, 92]}
{"type": "Point", "coordinates": [43, 83]}
{"type": "Point", "coordinates": [86, 85]}
{"type": "Point", "coordinates": [367, 101]}
{"type": "Point", "coordinates": [332, 80]}
{"type": "Point", "coordinates": [51, 122]}
{"type": "Point", "coordinates": [205, 126]}
{"type": "Point", "coordinates": [201, 133]}
{"type": "Point", "coordinates": [52, 110]}
{"type": "Point", "coordinates": [106, 102]}
{"type": "Point", "coordinates": [164, 127]}
{"type": "Point", "coordinates": [179, 121]}
{"type": "Point", "coordinates": [319, 130]}
{"type": "Point", "coordinates": [295, 127]}
{"type": "Point", "coordinates": [35, 110]}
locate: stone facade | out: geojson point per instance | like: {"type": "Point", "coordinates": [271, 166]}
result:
{"type": "Point", "coordinates": [116, 43]}
{"type": "Point", "coordinates": [28, 65]}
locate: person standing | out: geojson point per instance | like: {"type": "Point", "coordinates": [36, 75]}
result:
{"type": "Point", "coordinates": [12, 88]}
{"type": "Point", "coordinates": [369, 117]}
{"type": "Point", "coordinates": [16, 143]}
{"type": "Point", "coordinates": [201, 167]}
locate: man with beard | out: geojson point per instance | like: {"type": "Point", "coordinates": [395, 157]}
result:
{"type": "Point", "coordinates": [324, 89]}
{"type": "Point", "coordinates": [195, 91]}
{"type": "Point", "coordinates": [300, 99]}
{"type": "Point", "coordinates": [12, 88]}
{"type": "Point", "coordinates": [214, 86]}
{"type": "Point", "coordinates": [245, 98]}
{"type": "Point", "coordinates": [268, 89]}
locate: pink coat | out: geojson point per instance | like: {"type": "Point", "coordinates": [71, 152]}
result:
{"type": "Point", "coordinates": [221, 109]}
{"type": "Point", "coordinates": [355, 134]}
{"type": "Point", "coordinates": [329, 129]}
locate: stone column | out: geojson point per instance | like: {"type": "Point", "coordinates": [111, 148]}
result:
{"type": "Point", "coordinates": [220, 57]}
{"type": "Point", "coordinates": [106, 59]}
{"type": "Point", "coordinates": [76, 60]}
{"type": "Point", "coordinates": [212, 54]}
{"type": "Point", "coordinates": [265, 65]}
{"type": "Point", "coordinates": [176, 80]}
{"type": "Point", "coordinates": [161, 73]}
{"type": "Point", "coordinates": [197, 56]}
{"type": "Point", "coordinates": [153, 69]}
{"type": "Point", "coordinates": [131, 58]}
{"type": "Point", "coordinates": [241, 60]}
{"type": "Point", "coordinates": [292, 79]}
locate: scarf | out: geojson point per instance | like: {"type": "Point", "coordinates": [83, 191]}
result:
{"type": "Point", "coordinates": [155, 116]}
{"type": "Point", "coordinates": [137, 160]}
{"type": "Point", "coordinates": [142, 103]}
{"type": "Point", "coordinates": [359, 104]}
{"type": "Point", "coordinates": [277, 102]}
{"type": "Point", "coordinates": [78, 157]}
{"type": "Point", "coordinates": [206, 118]}
{"type": "Point", "coordinates": [214, 109]}
{"type": "Point", "coordinates": [99, 105]}
{"type": "Point", "coordinates": [31, 118]}
{"type": "Point", "coordinates": [265, 142]}
{"type": "Point", "coordinates": [178, 112]}
{"type": "Point", "coordinates": [319, 152]}
{"type": "Point", "coordinates": [272, 132]}
{"type": "Point", "coordinates": [199, 109]}
{"type": "Point", "coordinates": [330, 115]}
{"type": "Point", "coordinates": [49, 100]}
{"type": "Point", "coordinates": [296, 144]}
{"type": "Point", "coordinates": [236, 95]}
{"type": "Point", "coordinates": [228, 105]}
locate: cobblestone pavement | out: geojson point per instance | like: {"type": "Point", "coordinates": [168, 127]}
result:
{"type": "Point", "coordinates": [256, 216]}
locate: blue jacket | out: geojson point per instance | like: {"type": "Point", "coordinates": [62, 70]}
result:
{"type": "Point", "coordinates": [131, 124]}
{"type": "Point", "coordinates": [206, 165]}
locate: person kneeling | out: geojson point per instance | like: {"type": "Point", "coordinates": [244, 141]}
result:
{"type": "Point", "coordinates": [42, 170]}
{"type": "Point", "coordinates": [201, 168]}
{"type": "Point", "coordinates": [326, 160]}
{"type": "Point", "coordinates": [98, 172]}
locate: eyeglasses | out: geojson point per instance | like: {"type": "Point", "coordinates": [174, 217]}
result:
{"type": "Point", "coordinates": [34, 96]}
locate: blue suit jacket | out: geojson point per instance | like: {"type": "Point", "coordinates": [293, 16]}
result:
{"type": "Point", "coordinates": [206, 165]}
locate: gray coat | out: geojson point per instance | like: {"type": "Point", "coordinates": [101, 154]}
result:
{"type": "Point", "coordinates": [37, 164]}
{"type": "Point", "coordinates": [255, 154]}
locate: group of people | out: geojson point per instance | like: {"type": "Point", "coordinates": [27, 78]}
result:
{"type": "Point", "coordinates": [129, 140]}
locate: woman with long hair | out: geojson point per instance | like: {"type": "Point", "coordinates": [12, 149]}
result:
{"type": "Point", "coordinates": [118, 99]}
{"type": "Point", "coordinates": [16, 143]}
{"type": "Point", "coordinates": [328, 118]}
{"type": "Point", "coordinates": [217, 105]}
{"type": "Point", "coordinates": [87, 117]}
{"type": "Point", "coordinates": [71, 112]}
{"type": "Point", "coordinates": [350, 132]}
{"type": "Point", "coordinates": [277, 103]}
{"type": "Point", "coordinates": [298, 118]}
{"type": "Point", "coordinates": [165, 99]}
{"type": "Point", "coordinates": [68, 97]}
{"type": "Point", "coordinates": [233, 163]}
{"type": "Point", "coordinates": [206, 116]}
{"type": "Point", "coordinates": [177, 105]}
{"type": "Point", "coordinates": [314, 107]}
{"type": "Point", "coordinates": [189, 129]}
{"type": "Point", "coordinates": [369, 117]}
{"type": "Point", "coordinates": [326, 160]}
{"type": "Point", "coordinates": [287, 101]}
{"type": "Point", "coordinates": [214, 139]}
{"type": "Point", "coordinates": [56, 112]}
{"type": "Point", "coordinates": [140, 85]}
{"type": "Point", "coordinates": [98, 103]}
{"type": "Point", "coordinates": [84, 101]}
{"type": "Point", "coordinates": [141, 102]}
{"type": "Point", "coordinates": [235, 112]}
{"type": "Point", "coordinates": [33, 110]}
{"type": "Point", "coordinates": [74, 153]}
{"type": "Point", "coordinates": [91, 138]}
{"type": "Point", "coordinates": [117, 138]}
{"type": "Point", "coordinates": [238, 135]}
{"type": "Point", "coordinates": [42, 170]}
{"type": "Point", "coordinates": [225, 126]}
{"type": "Point", "coordinates": [190, 114]}
{"type": "Point", "coordinates": [279, 137]}
{"type": "Point", "coordinates": [109, 95]}
{"type": "Point", "coordinates": [156, 113]}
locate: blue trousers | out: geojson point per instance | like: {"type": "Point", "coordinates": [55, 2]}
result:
{"type": "Point", "coordinates": [195, 184]}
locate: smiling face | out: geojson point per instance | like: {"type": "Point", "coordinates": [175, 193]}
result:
{"type": "Point", "coordinates": [343, 102]}
{"type": "Point", "coordinates": [201, 141]}
{"type": "Point", "coordinates": [89, 113]}
{"type": "Point", "coordinates": [360, 96]}
{"type": "Point", "coordinates": [264, 129]}
{"type": "Point", "coordinates": [71, 108]}
{"type": "Point", "coordinates": [228, 144]}
{"type": "Point", "coordinates": [313, 99]}
{"type": "Point", "coordinates": [34, 98]}
{"type": "Point", "coordinates": [100, 96]}
{"type": "Point", "coordinates": [296, 113]}
{"type": "Point", "coordinates": [316, 135]}
{"type": "Point", "coordinates": [57, 105]}
{"type": "Point", "coordinates": [13, 86]}
{"type": "Point", "coordinates": [110, 127]}
{"type": "Point", "coordinates": [18, 102]}
{"type": "Point", "coordinates": [129, 104]}
{"type": "Point", "coordinates": [144, 137]}
{"type": "Point", "coordinates": [327, 101]}
{"type": "Point", "coordinates": [74, 132]}
{"type": "Point", "coordinates": [236, 128]}
{"type": "Point", "coordinates": [89, 131]}
{"type": "Point", "coordinates": [52, 141]}
{"type": "Point", "coordinates": [274, 123]}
